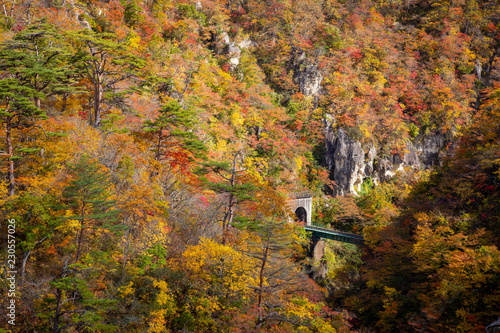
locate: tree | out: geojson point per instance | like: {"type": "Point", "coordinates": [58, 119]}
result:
{"type": "Point", "coordinates": [17, 110]}
{"type": "Point", "coordinates": [228, 182]}
{"type": "Point", "coordinates": [275, 274]}
{"type": "Point", "coordinates": [87, 199]}
{"type": "Point", "coordinates": [74, 304]}
{"type": "Point", "coordinates": [41, 61]}
{"type": "Point", "coordinates": [32, 67]}
{"type": "Point", "coordinates": [171, 132]}
{"type": "Point", "coordinates": [106, 62]}
{"type": "Point", "coordinates": [220, 277]}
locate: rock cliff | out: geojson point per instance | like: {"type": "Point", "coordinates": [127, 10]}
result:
{"type": "Point", "coordinates": [494, 327]}
{"type": "Point", "coordinates": [350, 163]}
{"type": "Point", "coordinates": [306, 74]}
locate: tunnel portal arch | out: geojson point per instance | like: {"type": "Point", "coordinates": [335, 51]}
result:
{"type": "Point", "coordinates": [301, 204]}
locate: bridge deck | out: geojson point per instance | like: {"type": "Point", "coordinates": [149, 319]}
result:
{"type": "Point", "coordinates": [336, 235]}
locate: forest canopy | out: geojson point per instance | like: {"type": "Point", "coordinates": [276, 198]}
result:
{"type": "Point", "coordinates": [149, 150]}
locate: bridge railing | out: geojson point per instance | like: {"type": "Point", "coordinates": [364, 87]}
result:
{"type": "Point", "coordinates": [321, 231]}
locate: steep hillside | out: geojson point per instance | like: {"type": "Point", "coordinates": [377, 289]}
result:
{"type": "Point", "coordinates": [149, 147]}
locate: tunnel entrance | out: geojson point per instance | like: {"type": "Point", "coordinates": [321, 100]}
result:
{"type": "Point", "coordinates": [301, 214]}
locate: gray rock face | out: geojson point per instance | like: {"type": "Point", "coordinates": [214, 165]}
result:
{"type": "Point", "coordinates": [306, 74]}
{"type": "Point", "coordinates": [320, 269]}
{"type": "Point", "coordinates": [234, 49]}
{"type": "Point", "coordinates": [431, 149]}
{"type": "Point", "coordinates": [494, 327]}
{"type": "Point", "coordinates": [346, 161]}
{"type": "Point", "coordinates": [350, 163]}
{"type": "Point", "coordinates": [309, 79]}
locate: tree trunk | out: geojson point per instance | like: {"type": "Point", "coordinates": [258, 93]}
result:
{"type": "Point", "coordinates": [65, 102]}
{"type": "Point", "coordinates": [228, 218]}
{"type": "Point", "coordinates": [230, 212]}
{"type": "Point", "coordinates": [80, 241]}
{"type": "Point", "coordinates": [10, 152]}
{"type": "Point", "coordinates": [158, 147]}
{"type": "Point", "coordinates": [80, 236]}
{"type": "Point", "coordinates": [25, 259]}
{"type": "Point", "coordinates": [98, 92]}
{"type": "Point", "coordinates": [23, 266]}
{"type": "Point", "coordinates": [261, 283]}
{"type": "Point", "coordinates": [57, 314]}
{"type": "Point", "coordinates": [125, 252]}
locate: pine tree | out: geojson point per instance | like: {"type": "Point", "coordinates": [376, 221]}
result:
{"type": "Point", "coordinates": [17, 110]}
{"type": "Point", "coordinates": [41, 61]}
{"type": "Point", "coordinates": [228, 184]}
{"type": "Point", "coordinates": [87, 197]}
{"type": "Point", "coordinates": [106, 62]}
{"type": "Point", "coordinates": [73, 304]}
{"type": "Point", "coordinates": [172, 133]}
{"type": "Point", "coordinates": [32, 67]}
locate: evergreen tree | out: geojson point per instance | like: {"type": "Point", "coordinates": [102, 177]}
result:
{"type": "Point", "coordinates": [40, 60]}
{"type": "Point", "coordinates": [17, 110]}
{"type": "Point", "coordinates": [87, 197]}
{"type": "Point", "coordinates": [227, 183]}
{"type": "Point", "coordinates": [106, 62]}
{"type": "Point", "coordinates": [73, 304]}
{"type": "Point", "coordinates": [172, 133]}
{"type": "Point", "coordinates": [32, 67]}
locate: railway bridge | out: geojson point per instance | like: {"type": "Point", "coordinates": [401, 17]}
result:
{"type": "Point", "coordinates": [301, 205]}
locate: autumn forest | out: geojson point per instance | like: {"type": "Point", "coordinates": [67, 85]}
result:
{"type": "Point", "coordinates": [149, 150]}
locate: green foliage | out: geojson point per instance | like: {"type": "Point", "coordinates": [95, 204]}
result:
{"type": "Point", "coordinates": [87, 194]}
{"type": "Point", "coordinates": [64, 310]}
{"type": "Point", "coordinates": [366, 186]}
{"type": "Point", "coordinates": [153, 258]}
{"type": "Point", "coordinates": [42, 60]}
{"type": "Point", "coordinates": [414, 130]}
{"type": "Point", "coordinates": [189, 11]}
{"type": "Point", "coordinates": [172, 133]}
{"type": "Point", "coordinates": [165, 96]}
{"type": "Point", "coordinates": [132, 14]}
{"type": "Point", "coordinates": [105, 61]}
{"type": "Point", "coordinates": [86, 199]}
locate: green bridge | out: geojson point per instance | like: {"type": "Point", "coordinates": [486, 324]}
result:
{"type": "Point", "coordinates": [301, 204]}
{"type": "Point", "coordinates": [345, 237]}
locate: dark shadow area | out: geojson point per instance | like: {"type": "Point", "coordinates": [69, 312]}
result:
{"type": "Point", "coordinates": [301, 214]}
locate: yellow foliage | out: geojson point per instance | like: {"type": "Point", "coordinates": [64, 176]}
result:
{"type": "Point", "coordinates": [166, 303]}
{"type": "Point", "coordinates": [306, 311]}
{"type": "Point", "coordinates": [163, 297]}
{"type": "Point", "coordinates": [236, 119]}
{"type": "Point", "coordinates": [126, 290]}
{"type": "Point", "coordinates": [157, 233]}
{"type": "Point", "coordinates": [219, 268]}
{"type": "Point", "coordinates": [68, 225]}
{"type": "Point", "coordinates": [134, 41]}
{"type": "Point", "coordinates": [256, 167]}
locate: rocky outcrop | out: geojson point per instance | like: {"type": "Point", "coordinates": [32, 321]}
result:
{"type": "Point", "coordinates": [234, 49]}
{"type": "Point", "coordinates": [494, 327]}
{"type": "Point", "coordinates": [319, 269]}
{"type": "Point", "coordinates": [306, 74]}
{"type": "Point", "coordinates": [350, 163]}
{"type": "Point", "coordinates": [346, 161]}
